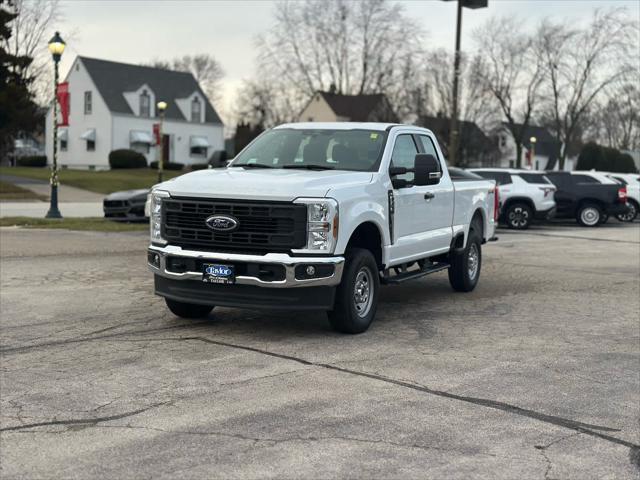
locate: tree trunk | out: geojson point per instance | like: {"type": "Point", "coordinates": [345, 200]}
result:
{"type": "Point", "coordinates": [518, 154]}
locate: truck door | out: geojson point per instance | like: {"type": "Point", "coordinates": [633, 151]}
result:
{"type": "Point", "coordinates": [439, 201]}
{"type": "Point", "coordinates": [417, 230]}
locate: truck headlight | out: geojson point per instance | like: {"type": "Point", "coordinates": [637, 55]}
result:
{"type": "Point", "coordinates": [154, 203]}
{"type": "Point", "coordinates": [322, 223]}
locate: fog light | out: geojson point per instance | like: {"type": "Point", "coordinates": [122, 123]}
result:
{"type": "Point", "coordinates": [311, 270]}
{"type": "Point", "coordinates": [153, 259]}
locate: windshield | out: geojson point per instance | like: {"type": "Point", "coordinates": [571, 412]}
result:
{"type": "Point", "coordinates": [322, 149]}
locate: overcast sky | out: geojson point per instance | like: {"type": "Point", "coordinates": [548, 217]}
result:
{"type": "Point", "coordinates": [136, 31]}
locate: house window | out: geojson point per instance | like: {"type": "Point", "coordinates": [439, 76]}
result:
{"type": "Point", "coordinates": [63, 145]}
{"type": "Point", "coordinates": [198, 152]}
{"type": "Point", "coordinates": [145, 104]}
{"type": "Point", "coordinates": [503, 141]}
{"type": "Point", "coordinates": [140, 147]}
{"type": "Point", "coordinates": [195, 110]}
{"type": "Point", "coordinates": [91, 145]}
{"type": "Point", "coordinates": [87, 103]}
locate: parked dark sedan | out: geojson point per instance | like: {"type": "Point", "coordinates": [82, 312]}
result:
{"type": "Point", "coordinates": [127, 205]}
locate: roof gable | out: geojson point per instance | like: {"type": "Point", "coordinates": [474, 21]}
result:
{"type": "Point", "coordinates": [360, 108]}
{"type": "Point", "coordinates": [113, 79]}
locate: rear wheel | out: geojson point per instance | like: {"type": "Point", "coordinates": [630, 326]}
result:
{"type": "Point", "coordinates": [518, 216]}
{"type": "Point", "coordinates": [464, 271]}
{"type": "Point", "coordinates": [188, 310]}
{"type": "Point", "coordinates": [631, 214]}
{"type": "Point", "coordinates": [357, 295]}
{"type": "Point", "coordinates": [589, 215]}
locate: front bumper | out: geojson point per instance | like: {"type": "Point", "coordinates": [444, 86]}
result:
{"type": "Point", "coordinates": [272, 270]}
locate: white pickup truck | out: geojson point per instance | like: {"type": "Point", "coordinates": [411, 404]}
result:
{"type": "Point", "coordinates": [317, 216]}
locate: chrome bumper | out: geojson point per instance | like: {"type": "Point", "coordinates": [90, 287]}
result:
{"type": "Point", "coordinates": [288, 262]}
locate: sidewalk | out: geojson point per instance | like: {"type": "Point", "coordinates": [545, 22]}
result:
{"type": "Point", "coordinates": [73, 202]}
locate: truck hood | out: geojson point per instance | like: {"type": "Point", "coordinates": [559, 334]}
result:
{"type": "Point", "coordinates": [262, 184]}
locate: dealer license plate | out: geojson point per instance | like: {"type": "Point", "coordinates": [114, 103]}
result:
{"type": "Point", "coordinates": [214, 273]}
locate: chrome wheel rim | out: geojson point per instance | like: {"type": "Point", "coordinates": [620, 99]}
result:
{"type": "Point", "coordinates": [590, 216]}
{"type": "Point", "coordinates": [519, 217]}
{"type": "Point", "coordinates": [363, 292]}
{"type": "Point", "coordinates": [473, 261]}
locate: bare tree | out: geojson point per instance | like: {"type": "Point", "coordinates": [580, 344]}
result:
{"type": "Point", "coordinates": [205, 69]}
{"type": "Point", "coordinates": [581, 63]}
{"type": "Point", "coordinates": [617, 121]}
{"type": "Point", "coordinates": [358, 47]}
{"type": "Point", "coordinates": [512, 72]}
{"type": "Point", "coordinates": [266, 104]}
{"type": "Point", "coordinates": [32, 29]}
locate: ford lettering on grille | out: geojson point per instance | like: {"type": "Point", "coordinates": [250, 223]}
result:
{"type": "Point", "coordinates": [222, 223]}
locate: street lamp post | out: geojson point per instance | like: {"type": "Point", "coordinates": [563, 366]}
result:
{"type": "Point", "coordinates": [453, 129]}
{"type": "Point", "coordinates": [56, 47]}
{"type": "Point", "coordinates": [532, 154]}
{"type": "Point", "coordinates": [161, 106]}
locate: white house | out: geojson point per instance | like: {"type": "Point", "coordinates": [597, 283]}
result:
{"type": "Point", "coordinates": [336, 107]}
{"type": "Point", "coordinates": [113, 106]}
{"type": "Point", "coordinates": [546, 147]}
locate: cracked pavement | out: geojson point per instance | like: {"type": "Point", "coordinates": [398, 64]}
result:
{"type": "Point", "coordinates": [535, 374]}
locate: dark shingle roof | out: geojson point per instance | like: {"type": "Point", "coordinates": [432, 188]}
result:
{"type": "Point", "coordinates": [113, 79]}
{"type": "Point", "coordinates": [359, 108]}
{"type": "Point", "coordinates": [470, 135]}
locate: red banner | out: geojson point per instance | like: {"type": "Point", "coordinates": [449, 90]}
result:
{"type": "Point", "coordinates": [156, 133]}
{"type": "Point", "coordinates": [63, 100]}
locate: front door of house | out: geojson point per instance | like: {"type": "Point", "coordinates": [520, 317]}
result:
{"type": "Point", "coordinates": [166, 150]}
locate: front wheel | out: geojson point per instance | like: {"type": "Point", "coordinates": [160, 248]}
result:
{"type": "Point", "coordinates": [631, 214]}
{"type": "Point", "coordinates": [357, 295]}
{"type": "Point", "coordinates": [589, 215]}
{"type": "Point", "coordinates": [464, 271]}
{"type": "Point", "coordinates": [188, 310]}
{"type": "Point", "coordinates": [518, 216]}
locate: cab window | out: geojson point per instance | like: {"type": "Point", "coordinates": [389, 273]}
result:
{"type": "Point", "coordinates": [404, 155]}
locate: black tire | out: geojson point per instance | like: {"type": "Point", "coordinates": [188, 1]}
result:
{"type": "Point", "coordinates": [589, 215]}
{"type": "Point", "coordinates": [463, 276]}
{"type": "Point", "coordinates": [188, 310]}
{"type": "Point", "coordinates": [632, 214]}
{"type": "Point", "coordinates": [518, 216]}
{"type": "Point", "coordinates": [360, 271]}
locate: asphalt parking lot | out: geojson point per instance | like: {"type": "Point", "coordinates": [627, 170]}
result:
{"type": "Point", "coordinates": [535, 374]}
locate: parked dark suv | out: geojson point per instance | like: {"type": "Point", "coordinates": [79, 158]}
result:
{"type": "Point", "coordinates": [589, 197]}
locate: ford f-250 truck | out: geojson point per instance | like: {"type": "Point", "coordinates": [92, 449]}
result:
{"type": "Point", "coordinates": [318, 216]}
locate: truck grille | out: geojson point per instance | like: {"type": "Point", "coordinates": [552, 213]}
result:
{"type": "Point", "coordinates": [263, 226]}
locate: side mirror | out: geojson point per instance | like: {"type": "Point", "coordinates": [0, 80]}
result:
{"type": "Point", "coordinates": [426, 170]}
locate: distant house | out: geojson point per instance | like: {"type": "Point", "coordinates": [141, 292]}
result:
{"type": "Point", "coordinates": [336, 107]}
{"type": "Point", "coordinates": [113, 106]}
{"type": "Point", "coordinates": [475, 149]}
{"type": "Point", "coordinates": [546, 147]}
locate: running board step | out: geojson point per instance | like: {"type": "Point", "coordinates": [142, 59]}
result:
{"type": "Point", "coordinates": [405, 277]}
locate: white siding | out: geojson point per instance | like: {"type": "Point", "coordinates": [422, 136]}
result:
{"type": "Point", "coordinates": [77, 155]}
{"type": "Point", "coordinates": [179, 131]}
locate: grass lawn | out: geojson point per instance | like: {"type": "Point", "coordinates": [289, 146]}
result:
{"type": "Point", "coordinates": [90, 223]}
{"type": "Point", "coordinates": [107, 181]}
{"type": "Point", "coordinates": [9, 191]}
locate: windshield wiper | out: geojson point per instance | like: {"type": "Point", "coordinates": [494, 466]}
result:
{"type": "Point", "coordinates": [309, 167]}
{"type": "Point", "coordinates": [254, 165]}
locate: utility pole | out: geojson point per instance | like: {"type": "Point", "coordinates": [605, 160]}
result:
{"type": "Point", "coordinates": [453, 128]}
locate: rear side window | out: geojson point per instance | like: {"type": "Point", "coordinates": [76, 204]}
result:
{"type": "Point", "coordinates": [501, 178]}
{"type": "Point", "coordinates": [584, 179]}
{"type": "Point", "coordinates": [533, 177]}
{"type": "Point", "coordinates": [619, 179]}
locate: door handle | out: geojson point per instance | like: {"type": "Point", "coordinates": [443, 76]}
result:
{"type": "Point", "coordinates": [429, 195]}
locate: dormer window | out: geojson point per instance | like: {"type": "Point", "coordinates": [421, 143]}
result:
{"type": "Point", "coordinates": [196, 110]}
{"type": "Point", "coordinates": [145, 104]}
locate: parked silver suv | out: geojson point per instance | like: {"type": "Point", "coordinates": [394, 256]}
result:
{"type": "Point", "coordinates": [525, 195]}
